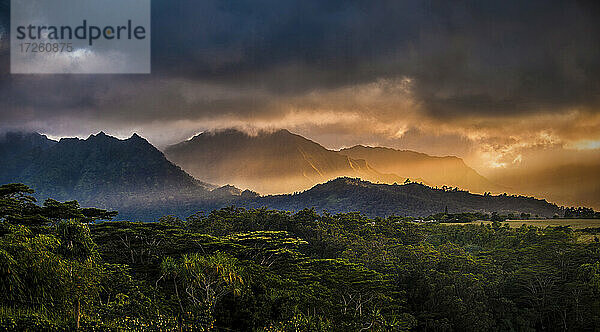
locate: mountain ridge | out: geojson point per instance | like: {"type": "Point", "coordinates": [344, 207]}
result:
{"type": "Point", "coordinates": [412, 199]}
{"type": "Point", "coordinates": [269, 162]}
{"type": "Point", "coordinates": [244, 160]}
{"type": "Point", "coordinates": [100, 168]}
{"type": "Point", "coordinates": [435, 170]}
{"type": "Point", "coordinates": [134, 177]}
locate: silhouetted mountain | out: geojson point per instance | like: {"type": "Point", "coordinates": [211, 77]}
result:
{"type": "Point", "coordinates": [435, 171]}
{"type": "Point", "coordinates": [355, 195]}
{"type": "Point", "coordinates": [100, 170]}
{"type": "Point", "coordinates": [18, 151]}
{"type": "Point", "coordinates": [269, 162]}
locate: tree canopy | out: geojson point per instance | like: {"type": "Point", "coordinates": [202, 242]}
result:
{"type": "Point", "coordinates": [237, 269]}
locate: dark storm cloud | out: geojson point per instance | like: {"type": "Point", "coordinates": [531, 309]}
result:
{"type": "Point", "coordinates": [465, 58]}
{"type": "Point", "coordinates": [513, 57]}
{"type": "Point", "coordinates": [246, 39]}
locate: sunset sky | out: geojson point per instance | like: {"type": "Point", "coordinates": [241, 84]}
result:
{"type": "Point", "coordinates": [502, 84]}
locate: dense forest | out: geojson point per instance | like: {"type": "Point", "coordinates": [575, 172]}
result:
{"type": "Point", "coordinates": [64, 267]}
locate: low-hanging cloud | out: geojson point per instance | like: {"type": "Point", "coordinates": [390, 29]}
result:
{"type": "Point", "coordinates": [489, 80]}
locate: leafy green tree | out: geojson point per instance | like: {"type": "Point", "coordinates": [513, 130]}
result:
{"type": "Point", "coordinates": [17, 205]}
{"type": "Point", "coordinates": [205, 280]}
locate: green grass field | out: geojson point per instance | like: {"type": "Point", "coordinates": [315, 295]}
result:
{"type": "Point", "coordinates": [574, 223]}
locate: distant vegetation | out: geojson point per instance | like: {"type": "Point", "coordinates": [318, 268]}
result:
{"type": "Point", "coordinates": [265, 270]}
{"type": "Point", "coordinates": [409, 199]}
{"type": "Point", "coordinates": [471, 217]}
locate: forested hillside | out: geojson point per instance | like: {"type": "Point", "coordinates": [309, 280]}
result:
{"type": "Point", "coordinates": [267, 270]}
{"type": "Point", "coordinates": [101, 169]}
{"type": "Point", "coordinates": [410, 199]}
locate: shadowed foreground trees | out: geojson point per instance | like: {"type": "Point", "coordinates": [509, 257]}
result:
{"type": "Point", "coordinates": [205, 280]}
{"type": "Point", "coordinates": [266, 270]}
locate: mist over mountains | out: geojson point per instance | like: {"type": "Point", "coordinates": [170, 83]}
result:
{"type": "Point", "coordinates": [570, 184]}
{"type": "Point", "coordinates": [269, 162]}
{"type": "Point", "coordinates": [439, 171]}
{"type": "Point", "coordinates": [283, 162]}
{"type": "Point", "coordinates": [135, 178]}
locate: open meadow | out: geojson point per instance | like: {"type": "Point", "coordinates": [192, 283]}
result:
{"type": "Point", "coordinates": [573, 223]}
{"type": "Point", "coordinates": [584, 235]}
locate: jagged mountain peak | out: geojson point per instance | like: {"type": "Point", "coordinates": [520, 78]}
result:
{"type": "Point", "coordinates": [135, 136]}
{"type": "Point", "coordinates": [17, 134]}
{"type": "Point", "coordinates": [24, 140]}
{"type": "Point", "coordinates": [233, 133]}
{"type": "Point", "coordinates": [98, 167]}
